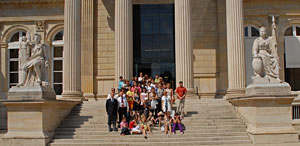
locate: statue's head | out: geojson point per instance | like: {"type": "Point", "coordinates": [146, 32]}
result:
{"type": "Point", "coordinates": [37, 37]}
{"type": "Point", "coordinates": [263, 32]}
{"type": "Point", "coordinates": [23, 38]}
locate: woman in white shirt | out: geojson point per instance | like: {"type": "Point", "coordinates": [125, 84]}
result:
{"type": "Point", "coordinates": [166, 103]}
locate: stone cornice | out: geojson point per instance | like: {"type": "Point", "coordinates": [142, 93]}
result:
{"type": "Point", "coordinates": [18, 2]}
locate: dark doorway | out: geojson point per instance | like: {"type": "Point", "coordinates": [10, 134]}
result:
{"type": "Point", "coordinates": [154, 40]}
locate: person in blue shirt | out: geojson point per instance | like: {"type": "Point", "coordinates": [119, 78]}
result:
{"type": "Point", "coordinates": [121, 84]}
{"type": "Point", "coordinates": [132, 80]}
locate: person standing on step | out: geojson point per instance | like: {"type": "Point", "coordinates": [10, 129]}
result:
{"type": "Point", "coordinates": [159, 92]}
{"type": "Point", "coordinates": [111, 110]}
{"type": "Point", "coordinates": [181, 94]}
{"type": "Point", "coordinates": [123, 106]}
{"type": "Point", "coordinates": [120, 84]}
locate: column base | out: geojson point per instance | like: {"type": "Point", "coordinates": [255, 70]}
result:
{"type": "Point", "coordinates": [72, 95]}
{"type": "Point", "coordinates": [89, 96]}
{"type": "Point", "coordinates": [232, 93]}
{"type": "Point", "coordinates": [191, 93]}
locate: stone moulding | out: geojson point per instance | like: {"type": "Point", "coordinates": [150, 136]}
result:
{"type": "Point", "coordinates": [18, 2]}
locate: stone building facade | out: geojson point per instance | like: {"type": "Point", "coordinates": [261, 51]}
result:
{"type": "Point", "coordinates": [107, 41]}
{"type": "Point", "coordinates": [207, 44]}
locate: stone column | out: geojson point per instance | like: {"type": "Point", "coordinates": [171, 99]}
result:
{"type": "Point", "coordinates": [87, 45]}
{"type": "Point", "coordinates": [184, 44]}
{"type": "Point", "coordinates": [72, 52]}
{"type": "Point", "coordinates": [123, 39]}
{"type": "Point", "coordinates": [235, 48]}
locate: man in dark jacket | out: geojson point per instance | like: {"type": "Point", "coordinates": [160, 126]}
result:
{"type": "Point", "coordinates": [112, 110]}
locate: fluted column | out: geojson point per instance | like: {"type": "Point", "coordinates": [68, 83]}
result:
{"type": "Point", "coordinates": [123, 39]}
{"type": "Point", "coordinates": [184, 44]}
{"type": "Point", "coordinates": [87, 46]}
{"type": "Point", "coordinates": [235, 47]}
{"type": "Point", "coordinates": [72, 52]}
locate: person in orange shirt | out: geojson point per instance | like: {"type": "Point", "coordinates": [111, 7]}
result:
{"type": "Point", "coordinates": [181, 94]}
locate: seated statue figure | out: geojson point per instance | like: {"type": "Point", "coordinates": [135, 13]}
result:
{"type": "Point", "coordinates": [35, 68]}
{"type": "Point", "coordinates": [265, 58]}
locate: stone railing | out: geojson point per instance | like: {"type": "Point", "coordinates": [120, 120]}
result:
{"type": "Point", "coordinates": [296, 112]}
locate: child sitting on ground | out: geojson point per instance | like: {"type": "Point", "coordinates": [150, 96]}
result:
{"type": "Point", "coordinates": [145, 127]}
{"type": "Point", "coordinates": [167, 124]}
{"type": "Point", "coordinates": [177, 121]}
{"type": "Point", "coordinates": [135, 129]}
{"type": "Point", "coordinates": [124, 127]}
{"type": "Point", "coordinates": [160, 116]}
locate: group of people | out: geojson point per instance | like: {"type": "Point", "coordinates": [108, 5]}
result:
{"type": "Point", "coordinates": [145, 102]}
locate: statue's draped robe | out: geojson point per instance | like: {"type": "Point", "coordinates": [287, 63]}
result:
{"type": "Point", "coordinates": [39, 55]}
{"type": "Point", "coordinates": [267, 50]}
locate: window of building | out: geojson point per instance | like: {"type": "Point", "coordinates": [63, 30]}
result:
{"type": "Point", "coordinates": [13, 58]}
{"type": "Point", "coordinates": [57, 62]}
{"type": "Point", "coordinates": [291, 54]}
{"type": "Point", "coordinates": [153, 40]}
{"type": "Point", "coordinates": [251, 31]}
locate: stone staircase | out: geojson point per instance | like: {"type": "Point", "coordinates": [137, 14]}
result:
{"type": "Point", "coordinates": [208, 122]}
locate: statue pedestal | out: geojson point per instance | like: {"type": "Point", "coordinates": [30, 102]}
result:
{"type": "Point", "coordinates": [27, 93]}
{"type": "Point", "coordinates": [32, 115]}
{"type": "Point", "coordinates": [267, 111]}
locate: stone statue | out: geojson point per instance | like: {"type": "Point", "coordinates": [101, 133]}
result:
{"type": "Point", "coordinates": [23, 53]}
{"type": "Point", "coordinates": [265, 57]}
{"type": "Point", "coordinates": [34, 69]}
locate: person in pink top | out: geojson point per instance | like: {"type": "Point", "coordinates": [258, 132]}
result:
{"type": "Point", "coordinates": [124, 127]}
{"type": "Point", "coordinates": [143, 95]}
{"type": "Point", "coordinates": [135, 86]}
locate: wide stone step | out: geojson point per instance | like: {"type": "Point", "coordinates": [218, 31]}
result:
{"type": "Point", "coordinates": [221, 116]}
{"type": "Point", "coordinates": [104, 128]}
{"type": "Point", "coordinates": [149, 143]}
{"type": "Point", "coordinates": [104, 132]}
{"type": "Point", "coordinates": [97, 120]}
{"type": "Point", "coordinates": [85, 132]}
{"type": "Point", "coordinates": [104, 123]}
{"type": "Point", "coordinates": [140, 138]}
{"type": "Point", "coordinates": [207, 122]}
{"type": "Point", "coordinates": [186, 124]}
{"type": "Point", "coordinates": [201, 112]}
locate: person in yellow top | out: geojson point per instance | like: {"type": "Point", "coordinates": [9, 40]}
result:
{"type": "Point", "coordinates": [156, 79]}
{"type": "Point", "coordinates": [130, 96]}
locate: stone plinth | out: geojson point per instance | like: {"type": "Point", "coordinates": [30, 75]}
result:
{"type": "Point", "coordinates": [32, 115]}
{"type": "Point", "coordinates": [267, 111]}
{"type": "Point", "coordinates": [25, 93]}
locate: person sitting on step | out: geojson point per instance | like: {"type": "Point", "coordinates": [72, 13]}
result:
{"type": "Point", "coordinates": [134, 127]}
{"type": "Point", "coordinates": [124, 127]}
{"type": "Point", "coordinates": [177, 121]}
{"type": "Point", "coordinates": [167, 123]}
{"type": "Point", "coordinates": [145, 127]}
